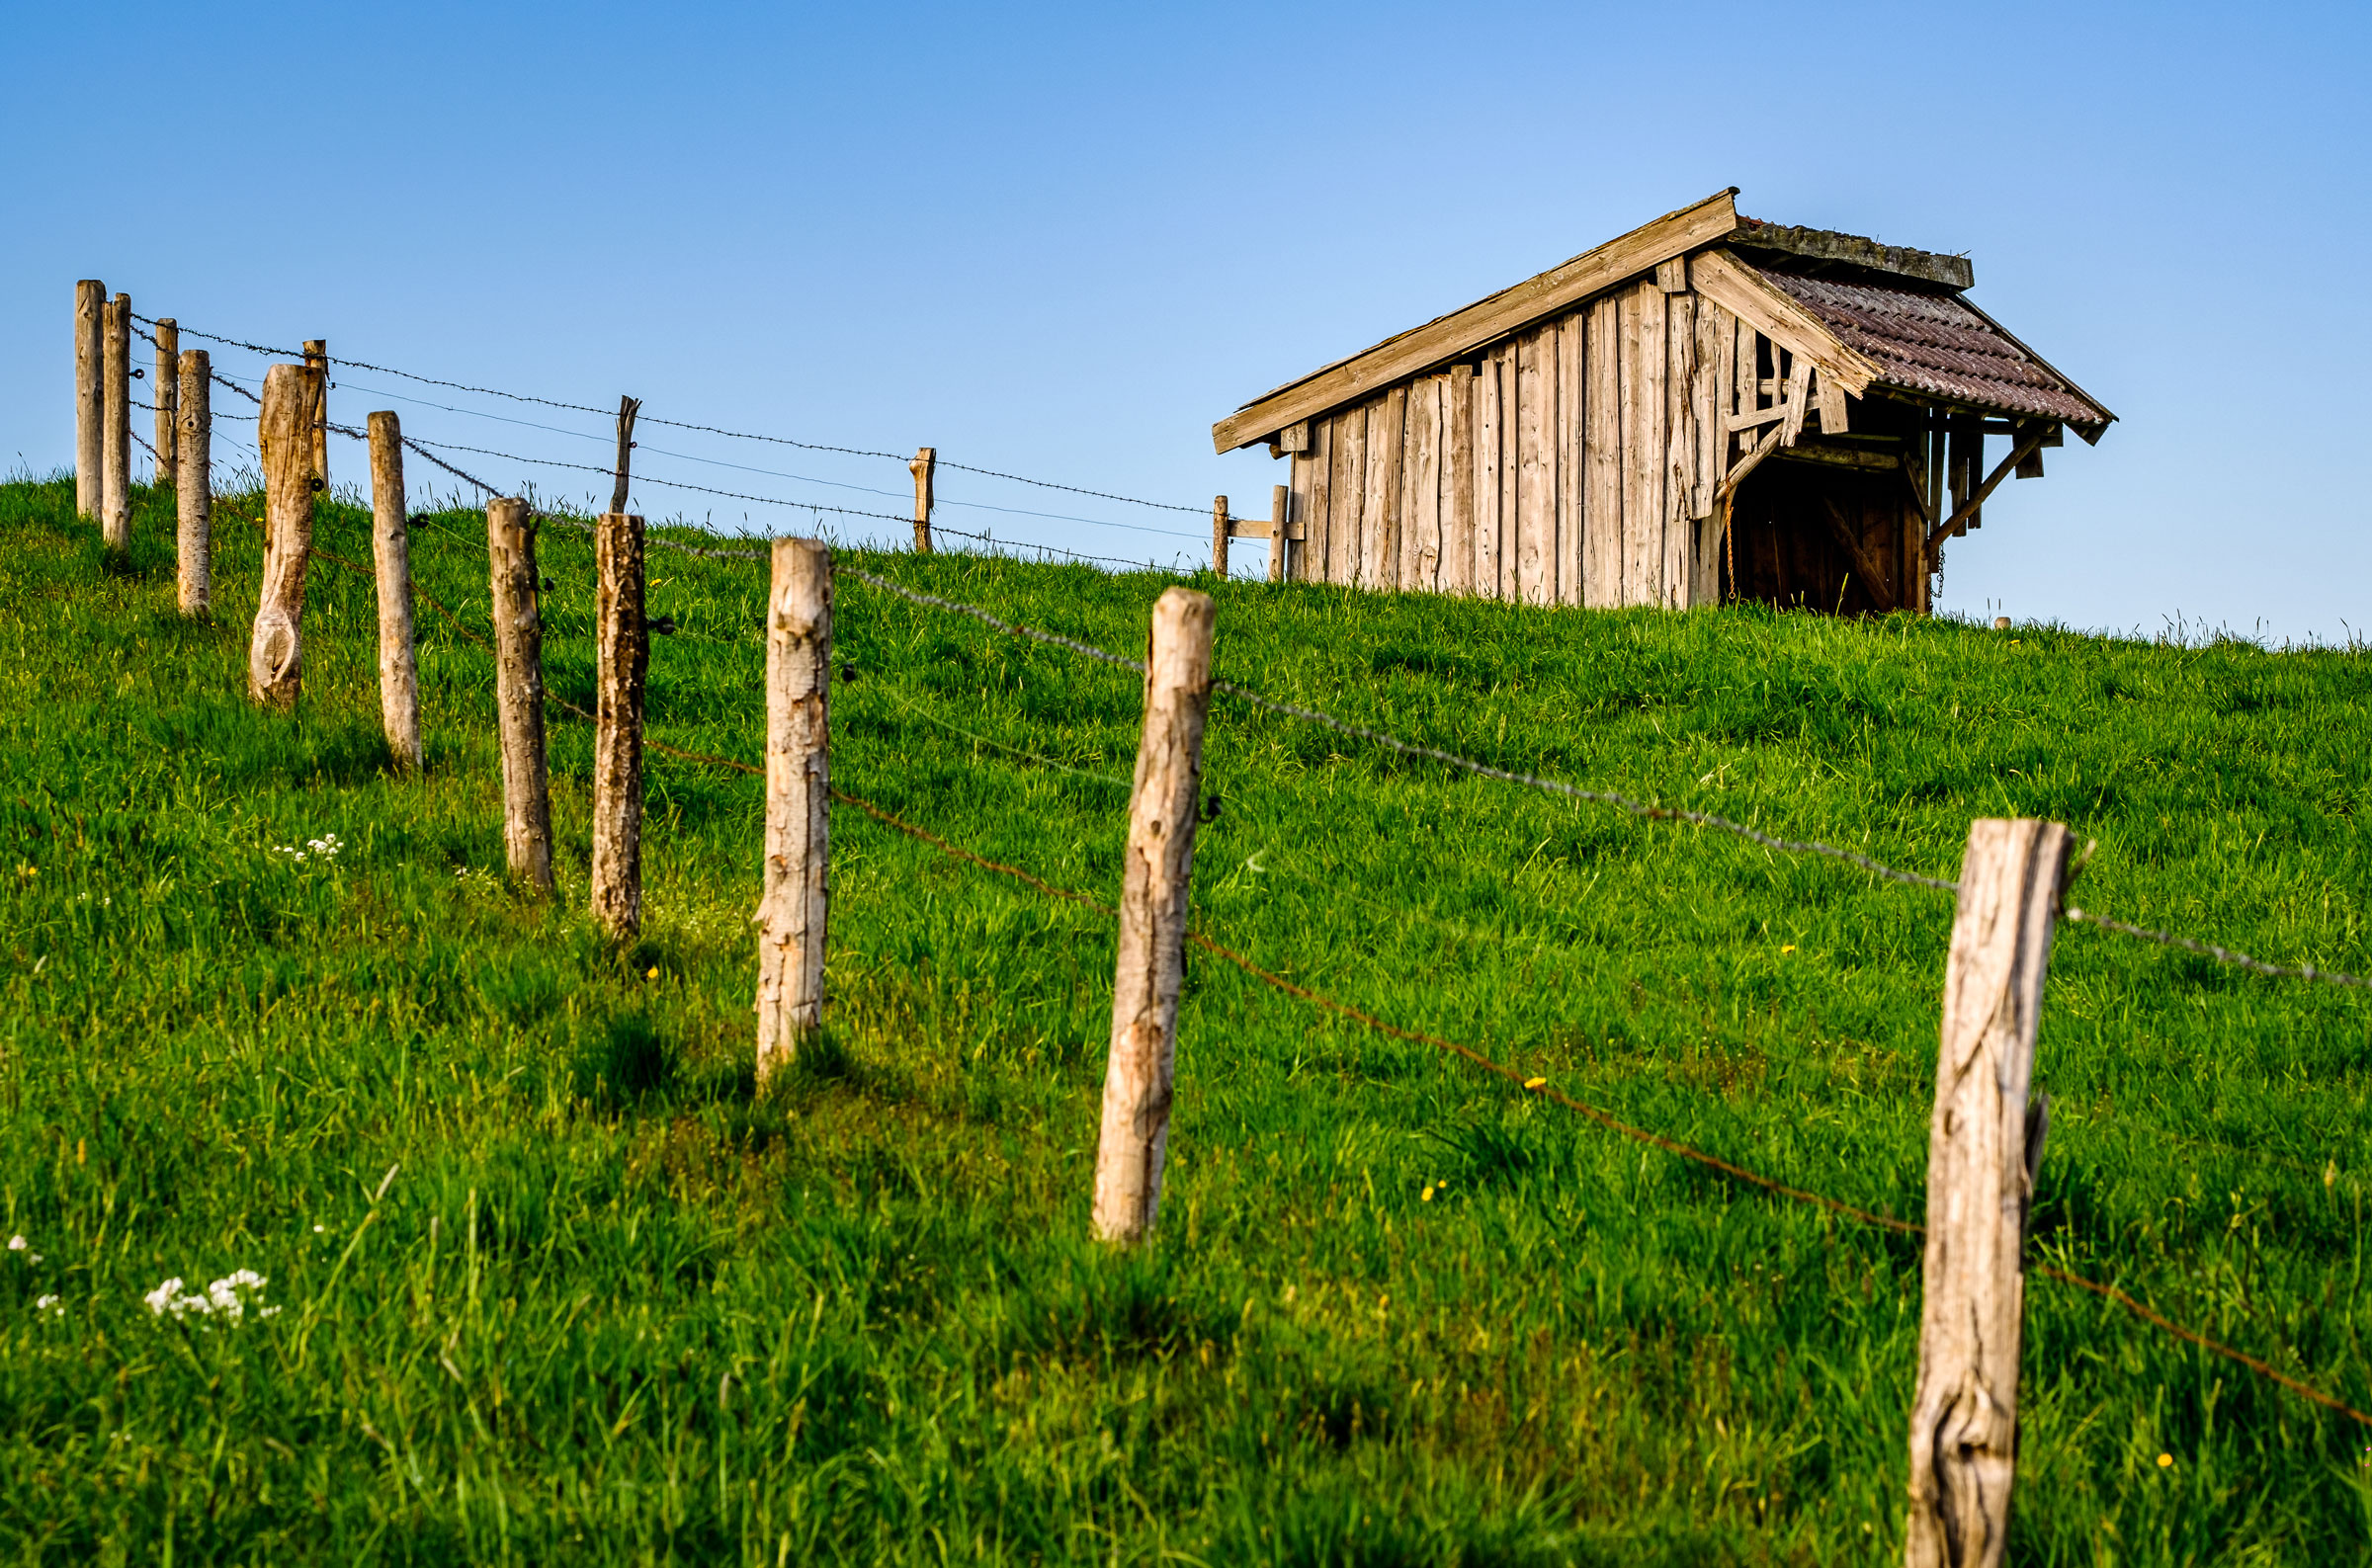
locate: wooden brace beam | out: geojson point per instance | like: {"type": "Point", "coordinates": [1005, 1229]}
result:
{"type": "Point", "coordinates": [1873, 578]}
{"type": "Point", "coordinates": [2002, 471]}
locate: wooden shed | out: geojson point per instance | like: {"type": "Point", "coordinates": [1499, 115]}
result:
{"type": "Point", "coordinates": [1708, 408]}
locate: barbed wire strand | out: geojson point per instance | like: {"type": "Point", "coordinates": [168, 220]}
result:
{"type": "Point", "coordinates": [2208, 949]}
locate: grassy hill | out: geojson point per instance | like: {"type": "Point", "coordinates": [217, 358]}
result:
{"type": "Point", "coordinates": [556, 1286]}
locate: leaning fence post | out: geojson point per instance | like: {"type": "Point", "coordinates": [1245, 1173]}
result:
{"type": "Point", "coordinates": [1280, 503]}
{"type": "Point", "coordinates": [795, 902]}
{"type": "Point", "coordinates": [623, 660]}
{"type": "Point", "coordinates": [1984, 1144]}
{"type": "Point", "coordinates": [1155, 875]}
{"type": "Point", "coordinates": [194, 545]}
{"type": "Point", "coordinates": [90, 357]}
{"type": "Point", "coordinates": [518, 690]}
{"type": "Point", "coordinates": [1219, 536]}
{"type": "Point", "coordinates": [925, 463]}
{"type": "Point", "coordinates": [115, 497]}
{"type": "Point", "coordinates": [274, 653]}
{"type": "Point", "coordinates": [167, 397]}
{"type": "Point", "coordinates": [316, 358]}
{"type": "Point", "coordinates": [391, 557]}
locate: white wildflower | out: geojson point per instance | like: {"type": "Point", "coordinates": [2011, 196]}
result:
{"type": "Point", "coordinates": [48, 1304]}
{"type": "Point", "coordinates": [17, 1244]}
{"type": "Point", "coordinates": [221, 1299]}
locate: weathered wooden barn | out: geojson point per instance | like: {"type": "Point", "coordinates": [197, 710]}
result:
{"type": "Point", "coordinates": [1707, 408]}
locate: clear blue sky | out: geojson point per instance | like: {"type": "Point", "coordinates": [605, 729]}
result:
{"type": "Point", "coordinates": [1062, 241]}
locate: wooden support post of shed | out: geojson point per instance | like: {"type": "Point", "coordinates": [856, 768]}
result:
{"type": "Point", "coordinates": [115, 461]}
{"type": "Point", "coordinates": [1280, 505]}
{"type": "Point", "coordinates": [795, 904]}
{"type": "Point", "coordinates": [284, 425]}
{"type": "Point", "coordinates": [194, 541]}
{"type": "Point", "coordinates": [90, 359]}
{"type": "Point", "coordinates": [518, 690]}
{"type": "Point", "coordinates": [925, 464]}
{"type": "Point", "coordinates": [1155, 877]}
{"type": "Point", "coordinates": [392, 561]}
{"type": "Point", "coordinates": [1985, 1143]}
{"type": "Point", "coordinates": [622, 663]}
{"type": "Point", "coordinates": [167, 397]}
{"type": "Point", "coordinates": [316, 359]}
{"type": "Point", "coordinates": [1219, 536]}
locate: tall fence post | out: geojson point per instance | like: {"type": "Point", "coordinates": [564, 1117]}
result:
{"type": "Point", "coordinates": [795, 906]}
{"type": "Point", "coordinates": [519, 688]}
{"type": "Point", "coordinates": [316, 359]}
{"type": "Point", "coordinates": [1280, 504]}
{"type": "Point", "coordinates": [275, 654]}
{"type": "Point", "coordinates": [1219, 536]}
{"type": "Point", "coordinates": [114, 496]}
{"type": "Point", "coordinates": [194, 545]}
{"type": "Point", "coordinates": [1156, 873]}
{"type": "Point", "coordinates": [391, 559]}
{"type": "Point", "coordinates": [1985, 1143]}
{"type": "Point", "coordinates": [623, 662]}
{"type": "Point", "coordinates": [167, 397]}
{"type": "Point", "coordinates": [925, 464]}
{"type": "Point", "coordinates": [90, 357]}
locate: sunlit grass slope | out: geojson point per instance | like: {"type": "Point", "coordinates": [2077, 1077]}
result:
{"type": "Point", "coordinates": [614, 1307]}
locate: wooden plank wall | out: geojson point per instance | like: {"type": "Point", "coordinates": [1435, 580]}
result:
{"type": "Point", "coordinates": [1575, 462]}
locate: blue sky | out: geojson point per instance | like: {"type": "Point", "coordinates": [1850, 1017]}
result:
{"type": "Point", "coordinates": [1060, 242]}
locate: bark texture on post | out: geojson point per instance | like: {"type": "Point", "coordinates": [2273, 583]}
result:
{"type": "Point", "coordinates": [316, 360]}
{"type": "Point", "coordinates": [1219, 536]}
{"type": "Point", "coordinates": [275, 654]}
{"type": "Point", "coordinates": [1280, 503]}
{"type": "Point", "coordinates": [114, 492]}
{"type": "Point", "coordinates": [391, 559]}
{"type": "Point", "coordinates": [518, 690]}
{"type": "Point", "coordinates": [194, 541]}
{"type": "Point", "coordinates": [90, 357]}
{"type": "Point", "coordinates": [623, 660]}
{"type": "Point", "coordinates": [167, 401]}
{"type": "Point", "coordinates": [1983, 1143]}
{"type": "Point", "coordinates": [925, 465]}
{"type": "Point", "coordinates": [795, 902]}
{"type": "Point", "coordinates": [1155, 877]}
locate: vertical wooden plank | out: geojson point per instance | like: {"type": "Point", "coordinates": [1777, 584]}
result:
{"type": "Point", "coordinates": [1643, 445]}
{"type": "Point", "coordinates": [1421, 551]}
{"type": "Point", "coordinates": [1490, 438]}
{"type": "Point", "coordinates": [1573, 441]}
{"type": "Point", "coordinates": [1535, 521]}
{"type": "Point", "coordinates": [1511, 416]}
{"type": "Point", "coordinates": [1458, 488]}
{"type": "Point", "coordinates": [1380, 518]}
{"type": "Point", "coordinates": [1712, 335]}
{"type": "Point", "coordinates": [1309, 560]}
{"type": "Point", "coordinates": [795, 884]}
{"type": "Point", "coordinates": [1679, 449]}
{"type": "Point", "coordinates": [1350, 491]}
{"type": "Point", "coordinates": [1602, 475]}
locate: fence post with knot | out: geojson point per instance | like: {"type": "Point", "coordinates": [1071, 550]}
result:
{"type": "Point", "coordinates": [1984, 1144]}
{"type": "Point", "coordinates": [1156, 873]}
{"type": "Point", "coordinates": [925, 464]}
{"type": "Point", "coordinates": [518, 690]}
{"type": "Point", "coordinates": [621, 665]}
{"type": "Point", "coordinates": [284, 424]}
{"type": "Point", "coordinates": [794, 903]}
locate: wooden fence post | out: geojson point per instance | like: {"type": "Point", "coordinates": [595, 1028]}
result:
{"type": "Point", "coordinates": [316, 359]}
{"type": "Point", "coordinates": [627, 408]}
{"type": "Point", "coordinates": [167, 399]}
{"type": "Point", "coordinates": [90, 357]}
{"type": "Point", "coordinates": [513, 585]}
{"type": "Point", "coordinates": [623, 662]}
{"type": "Point", "coordinates": [391, 557]}
{"type": "Point", "coordinates": [194, 545]}
{"type": "Point", "coordinates": [114, 494]}
{"type": "Point", "coordinates": [1983, 1145]}
{"type": "Point", "coordinates": [1280, 503]}
{"type": "Point", "coordinates": [275, 654]}
{"type": "Point", "coordinates": [1219, 536]}
{"type": "Point", "coordinates": [1156, 873]}
{"type": "Point", "coordinates": [795, 905]}
{"type": "Point", "coordinates": [925, 463]}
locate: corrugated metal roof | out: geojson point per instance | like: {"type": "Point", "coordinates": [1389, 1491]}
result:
{"type": "Point", "coordinates": [1930, 340]}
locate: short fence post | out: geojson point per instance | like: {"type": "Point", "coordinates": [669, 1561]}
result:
{"type": "Point", "coordinates": [316, 359]}
{"type": "Point", "coordinates": [925, 463]}
{"type": "Point", "coordinates": [167, 396]}
{"type": "Point", "coordinates": [1983, 1145]}
{"type": "Point", "coordinates": [518, 690]}
{"type": "Point", "coordinates": [795, 905]}
{"type": "Point", "coordinates": [114, 496]}
{"type": "Point", "coordinates": [391, 557]}
{"type": "Point", "coordinates": [1156, 875]}
{"type": "Point", "coordinates": [623, 662]}
{"type": "Point", "coordinates": [1219, 536]}
{"type": "Point", "coordinates": [275, 654]}
{"type": "Point", "coordinates": [627, 408]}
{"type": "Point", "coordinates": [194, 543]}
{"type": "Point", "coordinates": [1280, 503]}
{"type": "Point", "coordinates": [90, 357]}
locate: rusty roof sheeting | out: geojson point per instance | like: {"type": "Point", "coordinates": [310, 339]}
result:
{"type": "Point", "coordinates": [1930, 340]}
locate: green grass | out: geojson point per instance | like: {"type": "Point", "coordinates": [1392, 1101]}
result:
{"type": "Point", "coordinates": [613, 1306]}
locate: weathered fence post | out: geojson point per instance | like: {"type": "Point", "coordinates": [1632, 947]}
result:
{"type": "Point", "coordinates": [115, 495]}
{"type": "Point", "coordinates": [1219, 536]}
{"type": "Point", "coordinates": [90, 357]}
{"type": "Point", "coordinates": [627, 408]}
{"type": "Point", "coordinates": [275, 654]}
{"type": "Point", "coordinates": [519, 688]}
{"type": "Point", "coordinates": [795, 905]}
{"type": "Point", "coordinates": [1983, 1145]}
{"type": "Point", "coordinates": [316, 360]}
{"type": "Point", "coordinates": [167, 398]}
{"type": "Point", "coordinates": [194, 543]}
{"type": "Point", "coordinates": [392, 558]}
{"type": "Point", "coordinates": [1156, 876]}
{"type": "Point", "coordinates": [1280, 503]}
{"type": "Point", "coordinates": [623, 660]}
{"type": "Point", "coordinates": [925, 463]}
